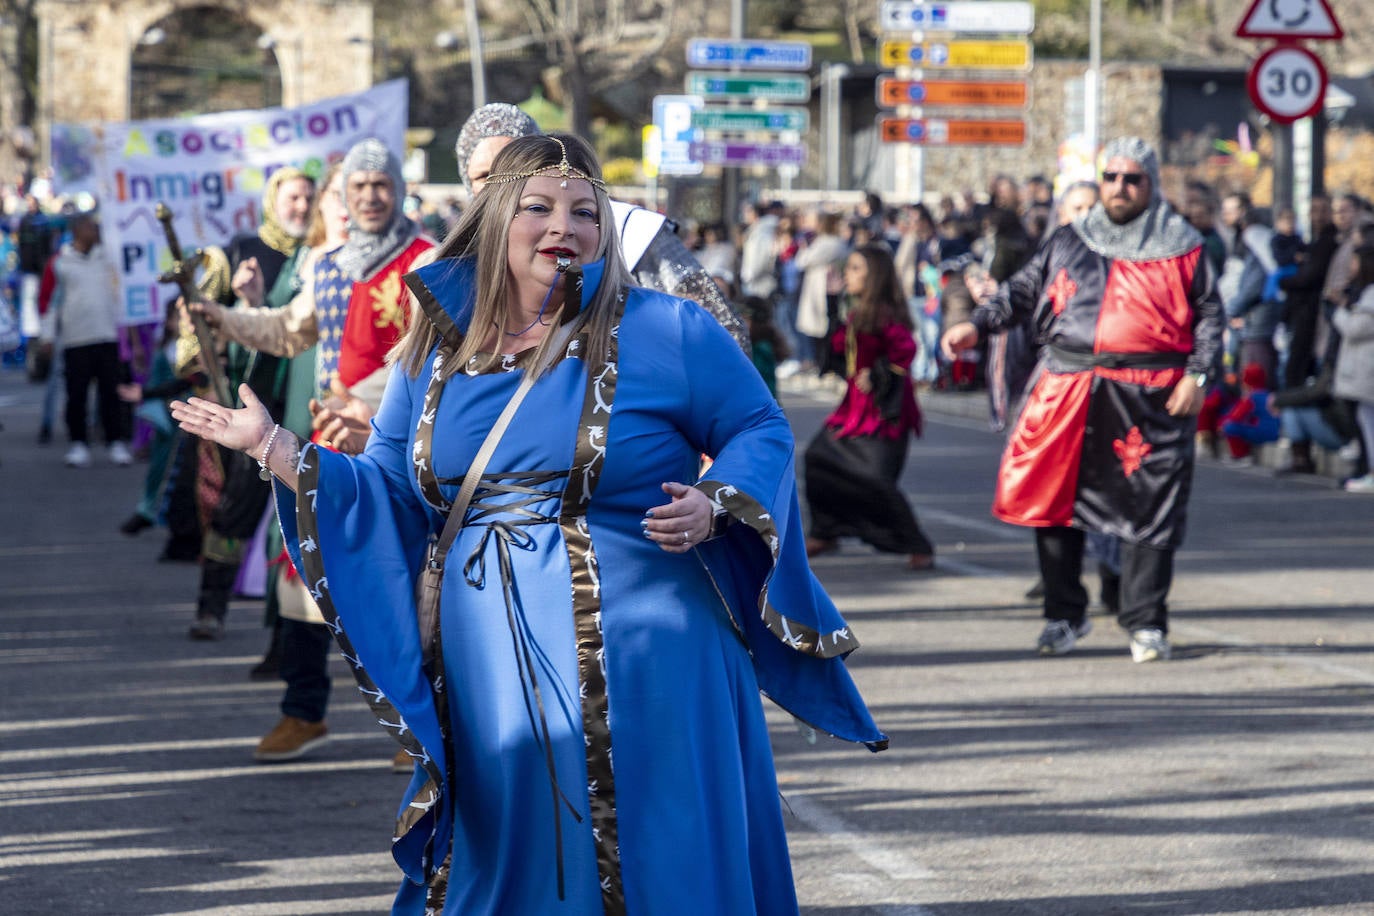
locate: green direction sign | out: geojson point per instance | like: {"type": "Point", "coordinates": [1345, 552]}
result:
{"type": "Point", "coordinates": [766, 86]}
{"type": "Point", "coordinates": [742, 119]}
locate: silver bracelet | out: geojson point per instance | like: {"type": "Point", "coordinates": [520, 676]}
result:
{"type": "Point", "coordinates": [266, 473]}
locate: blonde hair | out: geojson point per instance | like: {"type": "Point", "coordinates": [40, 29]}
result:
{"type": "Point", "coordinates": [483, 234]}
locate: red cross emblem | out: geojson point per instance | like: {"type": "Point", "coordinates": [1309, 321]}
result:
{"type": "Point", "coordinates": [1132, 451]}
{"type": "Point", "coordinates": [1061, 290]}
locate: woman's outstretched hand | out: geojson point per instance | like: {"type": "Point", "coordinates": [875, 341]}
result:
{"type": "Point", "coordinates": [681, 524]}
{"type": "Point", "coordinates": [245, 429]}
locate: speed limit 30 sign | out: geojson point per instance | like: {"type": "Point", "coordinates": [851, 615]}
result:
{"type": "Point", "coordinates": [1287, 83]}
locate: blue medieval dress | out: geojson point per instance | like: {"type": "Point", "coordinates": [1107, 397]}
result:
{"type": "Point", "coordinates": [591, 739]}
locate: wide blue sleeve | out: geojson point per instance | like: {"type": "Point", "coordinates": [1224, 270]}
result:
{"type": "Point", "coordinates": [357, 531]}
{"type": "Point", "coordinates": [796, 635]}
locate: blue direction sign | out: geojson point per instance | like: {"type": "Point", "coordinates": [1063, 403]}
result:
{"type": "Point", "coordinates": [739, 155]}
{"type": "Point", "coordinates": [749, 55]}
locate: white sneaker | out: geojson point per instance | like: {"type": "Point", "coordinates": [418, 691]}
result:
{"type": "Point", "coordinates": [1149, 644]}
{"type": "Point", "coordinates": [1363, 484]}
{"type": "Point", "coordinates": [788, 368]}
{"type": "Point", "coordinates": [78, 456]}
{"type": "Point", "coordinates": [119, 454]}
{"type": "Point", "coordinates": [1350, 451]}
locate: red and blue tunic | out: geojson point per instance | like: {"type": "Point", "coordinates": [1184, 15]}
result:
{"type": "Point", "coordinates": [359, 322]}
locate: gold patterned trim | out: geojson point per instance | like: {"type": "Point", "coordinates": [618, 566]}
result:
{"type": "Point", "coordinates": [743, 508]}
{"type": "Point", "coordinates": [588, 458]}
{"type": "Point", "coordinates": [422, 455]}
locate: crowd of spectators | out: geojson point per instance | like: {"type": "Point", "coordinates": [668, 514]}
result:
{"type": "Point", "coordinates": [1288, 297]}
{"type": "Point", "coordinates": [1285, 294]}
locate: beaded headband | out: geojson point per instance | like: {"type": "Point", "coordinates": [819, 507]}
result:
{"type": "Point", "coordinates": [564, 168]}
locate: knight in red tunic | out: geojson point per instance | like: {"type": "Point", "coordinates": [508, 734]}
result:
{"type": "Point", "coordinates": [1129, 325]}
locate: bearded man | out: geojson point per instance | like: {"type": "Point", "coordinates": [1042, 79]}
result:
{"type": "Point", "coordinates": [1123, 307]}
{"type": "Point", "coordinates": [353, 303]}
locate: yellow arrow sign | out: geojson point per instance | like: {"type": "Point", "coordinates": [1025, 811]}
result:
{"type": "Point", "coordinates": [957, 55]}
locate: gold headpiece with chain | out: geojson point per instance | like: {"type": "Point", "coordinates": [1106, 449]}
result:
{"type": "Point", "coordinates": [563, 168]}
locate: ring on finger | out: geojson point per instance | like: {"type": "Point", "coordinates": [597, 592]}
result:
{"type": "Point", "coordinates": [686, 537]}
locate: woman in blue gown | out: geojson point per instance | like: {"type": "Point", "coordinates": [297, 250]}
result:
{"type": "Point", "coordinates": [586, 724]}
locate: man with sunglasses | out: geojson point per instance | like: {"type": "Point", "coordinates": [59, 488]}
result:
{"type": "Point", "coordinates": [1123, 307]}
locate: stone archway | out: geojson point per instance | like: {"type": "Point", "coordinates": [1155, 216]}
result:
{"type": "Point", "coordinates": [324, 48]}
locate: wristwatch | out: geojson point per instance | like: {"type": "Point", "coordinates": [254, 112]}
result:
{"type": "Point", "coordinates": [720, 520]}
{"type": "Point", "coordinates": [1200, 379]}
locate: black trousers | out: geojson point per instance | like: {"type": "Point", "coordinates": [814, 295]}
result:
{"type": "Point", "coordinates": [1146, 574]}
{"type": "Point", "coordinates": [1302, 328]}
{"type": "Point", "coordinates": [305, 668]}
{"type": "Point", "coordinates": [97, 363]}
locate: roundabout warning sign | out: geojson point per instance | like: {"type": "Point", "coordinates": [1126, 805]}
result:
{"type": "Point", "coordinates": [1290, 20]}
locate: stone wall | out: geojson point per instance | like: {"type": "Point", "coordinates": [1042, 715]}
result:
{"type": "Point", "coordinates": [86, 49]}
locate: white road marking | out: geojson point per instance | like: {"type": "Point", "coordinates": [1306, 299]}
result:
{"type": "Point", "coordinates": [893, 864]}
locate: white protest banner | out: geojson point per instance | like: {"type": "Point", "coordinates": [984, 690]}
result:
{"type": "Point", "coordinates": [211, 170]}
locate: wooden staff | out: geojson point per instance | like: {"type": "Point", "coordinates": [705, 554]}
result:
{"type": "Point", "coordinates": [183, 275]}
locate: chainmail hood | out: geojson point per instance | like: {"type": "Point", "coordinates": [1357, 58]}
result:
{"type": "Point", "coordinates": [497, 119]}
{"type": "Point", "coordinates": [365, 253]}
{"type": "Point", "coordinates": [1158, 232]}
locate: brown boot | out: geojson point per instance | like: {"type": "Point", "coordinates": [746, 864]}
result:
{"type": "Point", "coordinates": [289, 739]}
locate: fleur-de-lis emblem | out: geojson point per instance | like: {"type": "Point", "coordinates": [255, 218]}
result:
{"type": "Point", "coordinates": [386, 303]}
{"type": "Point", "coordinates": [1132, 452]}
{"type": "Point", "coordinates": [1061, 290]}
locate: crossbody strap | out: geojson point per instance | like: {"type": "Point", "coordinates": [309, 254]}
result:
{"type": "Point", "coordinates": [474, 473]}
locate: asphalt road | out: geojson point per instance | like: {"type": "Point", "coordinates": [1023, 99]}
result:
{"type": "Point", "coordinates": [1234, 779]}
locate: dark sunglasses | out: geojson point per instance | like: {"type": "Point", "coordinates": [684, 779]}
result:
{"type": "Point", "coordinates": [1133, 179]}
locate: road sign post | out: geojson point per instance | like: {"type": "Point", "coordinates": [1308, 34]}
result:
{"type": "Point", "coordinates": [1288, 83]}
{"type": "Point", "coordinates": [980, 42]}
